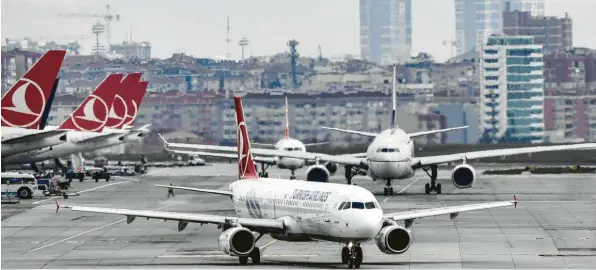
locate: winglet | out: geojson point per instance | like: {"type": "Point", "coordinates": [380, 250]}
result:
{"type": "Point", "coordinates": [514, 200]}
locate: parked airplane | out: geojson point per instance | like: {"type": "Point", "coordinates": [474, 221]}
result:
{"type": "Point", "coordinates": [285, 144]}
{"type": "Point", "coordinates": [298, 211]}
{"type": "Point", "coordinates": [390, 156]}
{"type": "Point", "coordinates": [88, 121]}
{"type": "Point", "coordinates": [23, 107]}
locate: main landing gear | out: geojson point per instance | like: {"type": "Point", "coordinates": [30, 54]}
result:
{"type": "Point", "coordinates": [352, 255]}
{"type": "Point", "coordinates": [351, 171]}
{"type": "Point", "coordinates": [263, 173]}
{"type": "Point", "coordinates": [388, 189]}
{"type": "Point", "coordinates": [433, 186]}
{"type": "Point", "coordinates": [255, 254]}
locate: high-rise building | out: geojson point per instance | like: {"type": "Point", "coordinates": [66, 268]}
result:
{"type": "Point", "coordinates": [511, 90]}
{"type": "Point", "coordinates": [475, 20]}
{"type": "Point", "coordinates": [551, 32]}
{"type": "Point", "coordinates": [386, 30]}
{"type": "Point", "coordinates": [535, 7]}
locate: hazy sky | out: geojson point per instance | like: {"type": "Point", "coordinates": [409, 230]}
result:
{"type": "Point", "coordinates": [198, 27]}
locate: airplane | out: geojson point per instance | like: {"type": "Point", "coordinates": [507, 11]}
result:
{"type": "Point", "coordinates": [23, 107]}
{"type": "Point", "coordinates": [285, 144]}
{"type": "Point", "coordinates": [390, 156]}
{"type": "Point", "coordinates": [297, 211]}
{"type": "Point", "coordinates": [88, 121]}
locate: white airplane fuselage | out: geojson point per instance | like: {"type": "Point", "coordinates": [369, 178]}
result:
{"type": "Point", "coordinates": [390, 154]}
{"type": "Point", "coordinates": [72, 145]}
{"type": "Point", "coordinates": [16, 148]}
{"type": "Point", "coordinates": [288, 144]}
{"type": "Point", "coordinates": [310, 209]}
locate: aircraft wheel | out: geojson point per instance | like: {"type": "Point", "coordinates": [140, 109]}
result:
{"type": "Point", "coordinates": [427, 188]}
{"type": "Point", "coordinates": [345, 255]}
{"type": "Point", "coordinates": [438, 188]}
{"type": "Point", "coordinates": [385, 191]}
{"type": "Point", "coordinates": [255, 255]}
{"type": "Point", "coordinates": [266, 175]}
{"type": "Point", "coordinates": [391, 191]}
{"type": "Point", "coordinates": [243, 259]}
{"type": "Point", "coordinates": [359, 256]}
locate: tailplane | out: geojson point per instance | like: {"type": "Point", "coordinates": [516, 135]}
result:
{"type": "Point", "coordinates": [246, 165]}
{"type": "Point", "coordinates": [92, 114]}
{"type": "Point", "coordinates": [24, 103]}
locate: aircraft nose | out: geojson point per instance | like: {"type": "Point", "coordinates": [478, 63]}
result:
{"type": "Point", "coordinates": [369, 224]}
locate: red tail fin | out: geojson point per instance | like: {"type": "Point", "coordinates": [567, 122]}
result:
{"type": "Point", "coordinates": [135, 102]}
{"type": "Point", "coordinates": [119, 111]}
{"type": "Point", "coordinates": [24, 103]}
{"type": "Point", "coordinates": [246, 165]}
{"type": "Point", "coordinates": [92, 114]}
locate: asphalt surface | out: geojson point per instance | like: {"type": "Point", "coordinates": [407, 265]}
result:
{"type": "Point", "coordinates": [554, 226]}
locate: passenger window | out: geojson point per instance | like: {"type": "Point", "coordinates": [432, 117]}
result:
{"type": "Point", "coordinates": [347, 206]}
{"type": "Point", "coordinates": [341, 205]}
{"type": "Point", "coordinates": [370, 205]}
{"type": "Point", "coordinates": [357, 205]}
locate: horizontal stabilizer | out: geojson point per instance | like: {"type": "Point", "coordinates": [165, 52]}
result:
{"type": "Point", "coordinates": [316, 144]}
{"type": "Point", "coordinates": [362, 133]}
{"type": "Point", "coordinates": [210, 191]}
{"type": "Point", "coordinates": [35, 136]}
{"type": "Point", "coordinates": [422, 133]}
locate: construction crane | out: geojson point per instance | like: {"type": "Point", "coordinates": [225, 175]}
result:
{"type": "Point", "coordinates": [109, 16]}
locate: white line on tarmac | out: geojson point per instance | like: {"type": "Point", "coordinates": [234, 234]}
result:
{"type": "Point", "coordinates": [267, 245]}
{"type": "Point", "coordinates": [403, 189]}
{"type": "Point", "coordinates": [87, 190]}
{"type": "Point", "coordinates": [92, 230]}
{"type": "Point", "coordinates": [223, 255]}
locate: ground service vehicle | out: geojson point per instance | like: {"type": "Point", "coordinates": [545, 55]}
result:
{"type": "Point", "coordinates": [21, 184]}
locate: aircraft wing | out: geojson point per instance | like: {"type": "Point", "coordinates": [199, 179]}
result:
{"type": "Point", "coordinates": [432, 160]}
{"type": "Point", "coordinates": [267, 145]}
{"type": "Point", "coordinates": [453, 211]}
{"type": "Point", "coordinates": [259, 159]}
{"type": "Point", "coordinates": [422, 133]}
{"type": "Point", "coordinates": [262, 225]}
{"type": "Point", "coordinates": [363, 133]}
{"type": "Point", "coordinates": [210, 191]}
{"type": "Point", "coordinates": [316, 144]}
{"type": "Point", "coordinates": [34, 136]}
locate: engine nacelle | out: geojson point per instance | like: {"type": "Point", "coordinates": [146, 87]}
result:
{"type": "Point", "coordinates": [317, 173]}
{"type": "Point", "coordinates": [463, 176]}
{"type": "Point", "coordinates": [394, 239]}
{"type": "Point", "coordinates": [237, 241]}
{"type": "Point", "coordinates": [331, 167]}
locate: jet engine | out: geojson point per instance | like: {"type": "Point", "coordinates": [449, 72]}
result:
{"type": "Point", "coordinates": [394, 239]}
{"type": "Point", "coordinates": [237, 241]}
{"type": "Point", "coordinates": [331, 168]}
{"type": "Point", "coordinates": [317, 173]}
{"type": "Point", "coordinates": [463, 176]}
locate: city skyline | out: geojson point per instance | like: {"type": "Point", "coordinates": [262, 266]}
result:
{"type": "Point", "coordinates": [200, 28]}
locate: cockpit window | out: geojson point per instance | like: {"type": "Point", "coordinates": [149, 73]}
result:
{"type": "Point", "coordinates": [346, 206]}
{"type": "Point", "coordinates": [357, 205]}
{"type": "Point", "coordinates": [297, 149]}
{"type": "Point", "coordinates": [388, 150]}
{"type": "Point", "coordinates": [289, 149]}
{"type": "Point", "coordinates": [370, 205]}
{"type": "Point", "coordinates": [341, 205]}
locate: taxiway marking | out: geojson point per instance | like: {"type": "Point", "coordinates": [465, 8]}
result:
{"type": "Point", "coordinates": [92, 230]}
{"type": "Point", "coordinates": [223, 255]}
{"type": "Point", "coordinates": [87, 190]}
{"type": "Point", "coordinates": [403, 189]}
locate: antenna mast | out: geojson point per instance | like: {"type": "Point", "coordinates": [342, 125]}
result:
{"type": "Point", "coordinates": [228, 40]}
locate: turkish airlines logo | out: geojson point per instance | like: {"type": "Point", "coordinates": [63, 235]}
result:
{"type": "Point", "coordinates": [133, 115]}
{"type": "Point", "coordinates": [95, 115]}
{"type": "Point", "coordinates": [18, 113]}
{"type": "Point", "coordinates": [119, 106]}
{"type": "Point", "coordinates": [242, 157]}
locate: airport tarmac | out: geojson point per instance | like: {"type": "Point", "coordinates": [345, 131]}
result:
{"type": "Point", "coordinates": [554, 225]}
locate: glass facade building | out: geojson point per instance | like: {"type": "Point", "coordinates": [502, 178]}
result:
{"type": "Point", "coordinates": [386, 30]}
{"type": "Point", "coordinates": [535, 7]}
{"type": "Point", "coordinates": [511, 90]}
{"type": "Point", "coordinates": [475, 20]}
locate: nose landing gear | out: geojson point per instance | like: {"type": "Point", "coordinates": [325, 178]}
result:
{"type": "Point", "coordinates": [388, 189]}
{"type": "Point", "coordinates": [352, 255]}
{"type": "Point", "coordinates": [263, 173]}
{"type": "Point", "coordinates": [293, 176]}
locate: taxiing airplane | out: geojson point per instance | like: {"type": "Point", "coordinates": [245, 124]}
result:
{"type": "Point", "coordinates": [297, 211]}
{"type": "Point", "coordinates": [23, 106]}
{"type": "Point", "coordinates": [390, 156]}
{"type": "Point", "coordinates": [86, 124]}
{"type": "Point", "coordinates": [285, 144]}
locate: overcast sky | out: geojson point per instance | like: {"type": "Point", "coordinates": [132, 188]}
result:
{"type": "Point", "coordinates": [198, 27]}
